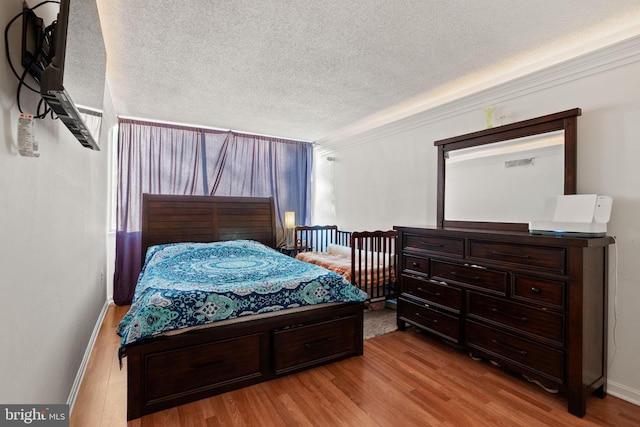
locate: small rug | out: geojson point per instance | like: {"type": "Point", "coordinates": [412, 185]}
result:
{"type": "Point", "coordinates": [379, 322]}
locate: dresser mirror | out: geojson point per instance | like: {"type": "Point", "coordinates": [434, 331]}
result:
{"type": "Point", "coordinates": [500, 178]}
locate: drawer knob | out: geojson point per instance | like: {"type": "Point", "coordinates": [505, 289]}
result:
{"type": "Point", "coordinates": [481, 267]}
{"type": "Point", "coordinates": [426, 318]}
{"type": "Point", "coordinates": [510, 254]}
{"type": "Point", "coordinates": [415, 264]}
{"type": "Point", "coordinates": [317, 343]}
{"type": "Point", "coordinates": [431, 245]}
{"type": "Point", "coordinates": [426, 291]}
{"type": "Point", "coordinates": [510, 348]}
{"type": "Point", "coordinates": [535, 290]}
{"type": "Point", "coordinates": [465, 276]}
{"type": "Point", "coordinates": [210, 365]}
{"type": "Point", "coordinates": [513, 316]}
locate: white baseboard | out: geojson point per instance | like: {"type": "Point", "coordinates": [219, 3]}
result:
{"type": "Point", "coordinates": [73, 395]}
{"type": "Point", "coordinates": [623, 392]}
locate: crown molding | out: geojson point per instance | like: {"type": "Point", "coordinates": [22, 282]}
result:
{"type": "Point", "coordinates": [595, 62]}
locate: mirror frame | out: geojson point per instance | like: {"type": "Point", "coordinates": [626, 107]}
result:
{"type": "Point", "coordinates": [564, 120]}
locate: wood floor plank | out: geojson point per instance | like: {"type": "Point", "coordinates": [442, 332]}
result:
{"type": "Point", "coordinates": [285, 394]}
{"type": "Point", "coordinates": [404, 378]}
{"type": "Point", "coordinates": [325, 381]}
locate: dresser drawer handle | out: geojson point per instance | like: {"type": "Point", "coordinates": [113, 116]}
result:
{"type": "Point", "coordinates": [317, 343]}
{"type": "Point", "coordinates": [415, 264]}
{"type": "Point", "coordinates": [510, 348]}
{"type": "Point", "coordinates": [466, 276]}
{"type": "Point", "coordinates": [209, 365]}
{"type": "Point", "coordinates": [510, 254]}
{"type": "Point", "coordinates": [481, 267]}
{"type": "Point", "coordinates": [432, 245]}
{"type": "Point", "coordinates": [536, 290]}
{"type": "Point", "coordinates": [426, 318]}
{"type": "Point", "coordinates": [513, 316]}
{"type": "Point", "coordinates": [427, 291]}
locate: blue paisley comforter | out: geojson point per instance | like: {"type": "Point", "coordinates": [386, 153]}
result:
{"type": "Point", "coordinates": [190, 284]}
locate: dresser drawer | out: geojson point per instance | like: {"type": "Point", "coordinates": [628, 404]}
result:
{"type": "Point", "coordinates": [542, 291]}
{"type": "Point", "coordinates": [442, 295]}
{"type": "Point", "coordinates": [537, 357]}
{"type": "Point", "coordinates": [486, 279]}
{"type": "Point", "coordinates": [536, 321]}
{"type": "Point", "coordinates": [437, 322]}
{"type": "Point", "coordinates": [307, 345]}
{"type": "Point", "coordinates": [539, 257]}
{"type": "Point", "coordinates": [412, 264]}
{"type": "Point", "coordinates": [439, 245]}
{"type": "Point", "coordinates": [174, 372]}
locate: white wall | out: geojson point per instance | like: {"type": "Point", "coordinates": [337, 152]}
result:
{"type": "Point", "coordinates": [53, 251]}
{"type": "Point", "coordinates": [387, 176]}
{"type": "Point", "coordinates": [110, 122]}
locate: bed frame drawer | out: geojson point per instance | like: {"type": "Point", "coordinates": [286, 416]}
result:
{"type": "Point", "coordinates": [176, 369]}
{"type": "Point", "coordinates": [175, 372]}
{"type": "Point", "coordinates": [308, 345]}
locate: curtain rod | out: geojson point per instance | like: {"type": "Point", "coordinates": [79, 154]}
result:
{"type": "Point", "coordinates": [193, 126]}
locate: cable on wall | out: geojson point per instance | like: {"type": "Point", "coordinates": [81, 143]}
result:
{"type": "Point", "coordinates": [41, 57]}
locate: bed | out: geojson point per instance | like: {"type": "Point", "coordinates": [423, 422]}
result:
{"type": "Point", "coordinates": [212, 344]}
{"type": "Point", "coordinates": [366, 259]}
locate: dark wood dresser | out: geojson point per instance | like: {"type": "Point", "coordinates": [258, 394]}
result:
{"type": "Point", "coordinates": [535, 304]}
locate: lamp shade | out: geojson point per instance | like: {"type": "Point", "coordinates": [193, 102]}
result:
{"type": "Point", "coordinates": [289, 219]}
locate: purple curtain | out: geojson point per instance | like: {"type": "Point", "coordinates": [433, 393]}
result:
{"type": "Point", "coordinates": [166, 159]}
{"type": "Point", "coordinates": [258, 166]}
{"type": "Point", "coordinates": [153, 159]}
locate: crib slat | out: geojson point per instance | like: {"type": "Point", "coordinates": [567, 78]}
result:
{"type": "Point", "coordinates": [373, 255]}
{"type": "Point", "coordinates": [375, 249]}
{"type": "Point", "coordinates": [315, 238]}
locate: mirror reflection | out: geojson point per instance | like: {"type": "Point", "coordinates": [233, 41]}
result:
{"type": "Point", "coordinates": [507, 181]}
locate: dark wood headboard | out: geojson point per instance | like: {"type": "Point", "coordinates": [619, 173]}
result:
{"type": "Point", "coordinates": [171, 219]}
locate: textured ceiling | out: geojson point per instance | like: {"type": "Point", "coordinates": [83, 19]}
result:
{"type": "Point", "coordinates": [311, 69]}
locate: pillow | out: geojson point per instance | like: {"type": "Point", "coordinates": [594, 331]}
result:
{"type": "Point", "coordinates": [372, 257]}
{"type": "Point", "coordinates": [339, 250]}
{"type": "Point", "coordinates": [376, 257]}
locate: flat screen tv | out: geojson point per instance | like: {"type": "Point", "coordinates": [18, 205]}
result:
{"type": "Point", "coordinates": [52, 81]}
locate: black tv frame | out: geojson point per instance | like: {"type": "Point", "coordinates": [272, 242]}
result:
{"type": "Point", "coordinates": [52, 87]}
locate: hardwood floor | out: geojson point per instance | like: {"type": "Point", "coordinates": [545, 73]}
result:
{"type": "Point", "coordinates": [403, 379]}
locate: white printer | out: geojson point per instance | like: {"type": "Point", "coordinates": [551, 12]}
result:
{"type": "Point", "coordinates": [580, 215]}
